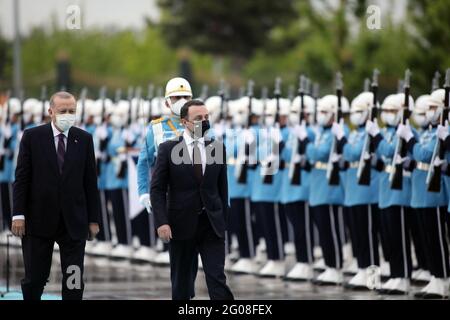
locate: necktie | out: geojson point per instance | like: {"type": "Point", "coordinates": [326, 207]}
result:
{"type": "Point", "coordinates": [60, 152]}
{"type": "Point", "coordinates": [197, 162]}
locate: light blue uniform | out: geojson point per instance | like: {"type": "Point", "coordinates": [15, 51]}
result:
{"type": "Point", "coordinates": [356, 194]}
{"type": "Point", "coordinates": [7, 174]}
{"type": "Point", "coordinates": [318, 154]}
{"type": "Point", "coordinates": [422, 152]}
{"type": "Point", "coordinates": [148, 152]}
{"type": "Point", "coordinates": [113, 182]}
{"type": "Point", "coordinates": [385, 151]}
{"type": "Point", "coordinates": [289, 192]}
{"type": "Point", "coordinates": [104, 164]}
{"type": "Point", "coordinates": [262, 192]}
{"type": "Point", "coordinates": [234, 141]}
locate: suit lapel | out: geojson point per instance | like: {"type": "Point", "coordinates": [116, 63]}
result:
{"type": "Point", "coordinates": [49, 148]}
{"type": "Point", "coordinates": [187, 161]}
{"type": "Point", "coordinates": [209, 160]}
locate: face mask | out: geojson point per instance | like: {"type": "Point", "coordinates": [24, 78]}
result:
{"type": "Point", "coordinates": [238, 119]}
{"type": "Point", "coordinates": [269, 121]}
{"type": "Point", "coordinates": [420, 120]}
{"type": "Point", "coordinates": [432, 116]}
{"type": "Point", "coordinates": [357, 118]}
{"type": "Point", "coordinates": [98, 120]}
{"type": "Point", "coordinates": [65, 121]}
{"type": "Point", "coordinates": [116, 121]}
{"type": "Point", "coordinates": [323, 118]}
{"type": "Point", "coordinates": [200, 128]}
{"type": "Point", "coordinates": [389, 118]}
{"type": "Point", "coordinates": [176, 107]}
{"type": "Point", "coordinates": [293, 119]}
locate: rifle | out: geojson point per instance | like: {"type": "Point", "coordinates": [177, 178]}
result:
{"type": "Point", "coordinates": [221, 94]}
{"type": "Point", "coordinates": [204, 94]}
{"type": "Point", "coordinates": [150, 95]}
{"type": "Point", "coordinates": [315, 93]}
{"type": "Point", "coordinates": [268, 178]}
{"type": "Point", "coordinates": [83, 95]}
{"type": "Point", "coordinates": [434, 173]}
{"type": "Point", "coordinates": [435, 82]}
{"type": "Point", "coordinates": [396, 175]}
{"type": "Point", "coordinates": [243, 164]}
{"type": "Point", "coordinates": [43, 99]}
{"type": "Point", "coordinates": [365, 161]}
{"type": "Point", "coordinates": [333, 167]}
{"type": "Point", "coordinates": [103, 142]}
{"type": "Point", "coordinates": [4, 142]}
{"type": "Point", "coordinates": [299, 146]}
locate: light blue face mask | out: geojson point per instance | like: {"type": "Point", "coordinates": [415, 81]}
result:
{"type": "Point", "coordinates": [65, 121]}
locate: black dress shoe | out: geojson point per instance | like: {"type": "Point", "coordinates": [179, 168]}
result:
{"type": "Point", "coordinates": [396, 292]}
{"type": "Point", "coordinates": [432, 296]}
{"type": "Point", "coordinates": [420, 294]}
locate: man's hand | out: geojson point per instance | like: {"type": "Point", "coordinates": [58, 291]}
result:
{"type": "Point", "coordinates": [165, 233]}
{"type": "Point", "coordinates": [18, 227]}
{"type": "Point", "coordinates": [372, 128]}
{"type": "Point", "coordinates": [93, 230]}
{"type": "Point", "coordinates": [404, 131]}
{"type": "Point", "coordinates": [338, 130]}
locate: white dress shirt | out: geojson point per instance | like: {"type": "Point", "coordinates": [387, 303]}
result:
{"type": "Point", "coordinates": [190, 146]}
{"type": "Point", "coordinates": [56, 133]}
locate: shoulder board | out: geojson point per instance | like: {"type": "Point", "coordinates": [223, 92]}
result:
{"type": "Point", "coordinates": [157, 120]}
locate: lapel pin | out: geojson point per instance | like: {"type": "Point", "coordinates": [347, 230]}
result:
{"type": "Point", "coordinates": [76, 141]}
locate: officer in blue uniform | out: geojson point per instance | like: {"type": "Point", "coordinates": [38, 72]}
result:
{"type": "Point", "coordinates": [432, 206]}
{"type": "Point", "coordinates": [324, 199]}
{"type": "Point", "coordinates": [361, 200]}
{"type": "Point", "coordinates": [294, 191]}
{"type": "Point", "coordinates": [394, 204]}
{"type": "Point", "coordinates": [266, 183]}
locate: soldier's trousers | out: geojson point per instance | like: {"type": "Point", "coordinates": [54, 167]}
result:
{"type": "Point", "coordinates": [243, 224]}
{"type": "Point", "coordinates": [5, 198]}
{"type": "Point", "coordinates": [300, 217]}
{"type": "Point", "coordinates": [433, 221]}
{"type": "Point", "coordinates": [363, 223]}
{"type": "Point", "coordinates": [395, 224]}
{"type": "Point", "coordinates": [118, 199]}
{"type": "Point", "coordinates": [273, 221]}
{"type": "Point", "coordinates": [143, 227]}
{"type": "Point", "coordinates": [418, 238]}
{"type": "Point", "coordinates": [326, 218]}
{"type": "Point", "coordinates": [105, 227]}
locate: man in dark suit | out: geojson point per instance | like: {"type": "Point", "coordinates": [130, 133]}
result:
{"type": "Point", "coordinates": [55, 197]}
{"type": "Point", "coordinates": [189, 194]}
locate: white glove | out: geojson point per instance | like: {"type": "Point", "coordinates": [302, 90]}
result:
{"type": "Point", "coordinates": [300, 131]}
{"type": "Point", "coordinates": [101, 132]}
{"type": "Point", "coordinates": [248, 136]}
{"type": "Point", "coordinates": [338, 130]}
{"type": "Point", "coordinates": [128, 136]}
{"type": "Point", "coordinates": [145, 201]}
{"type": "Point", "coordinates": [442, 131]}
{"type": "Point", "coordinates": [438, 162]}
{"type": "Point", "coordinates": [372, 128]}
{"type": "Point", "coordinates": [275, 135]}
{"type": "Point", "coordinates": [219, 129]}
{"type": "Point", "coordinates": [404, 131]}
{"type": "Point", "coordinates": [335, 157]}
{"type": "Point", "coordinates": [7, 132]}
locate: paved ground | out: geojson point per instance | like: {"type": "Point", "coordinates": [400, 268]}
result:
{"type": "Point", "coordinates": [108, 279]}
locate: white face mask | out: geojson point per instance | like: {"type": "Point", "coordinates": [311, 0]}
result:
{"type": "Point", "coordinates": [293, 119]}
{"type": "Point", "coordinates": [65, 121]}
{"type": "Point", "coordinates": [269, 121]}
{"type": "Point", "coordinates": [432, 116]}
{"type": "Point", "coordinates": [358, 118]}
{"type": "Point", "coordinates": [239, 119]}
{"type": "Point", "coordinates": [323, 118]}
{"type": "Point", "coordinates": [420, 120]}
{"type": "Point", "coordinates": [98, 120]}
{"type": "Point", "coordinates": [117, 121]}
{"type": "Point", "coordinates": [176, 107]}
{"type": "Point", "coordinates": [389, 118]}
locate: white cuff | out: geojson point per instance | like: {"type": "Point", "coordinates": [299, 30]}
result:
{"type": "Point", "coordinates": [18, 217]}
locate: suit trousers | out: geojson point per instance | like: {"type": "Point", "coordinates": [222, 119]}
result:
{"type": "Point", "coordinates": [37, 256]}
{"type": "Point", "coordinates": [212, 252]}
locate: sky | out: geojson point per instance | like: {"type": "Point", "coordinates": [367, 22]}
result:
{"type": "Point", "coordinates": [94, 13]}
{"type": "Point", "coordinates": [117, 14]}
